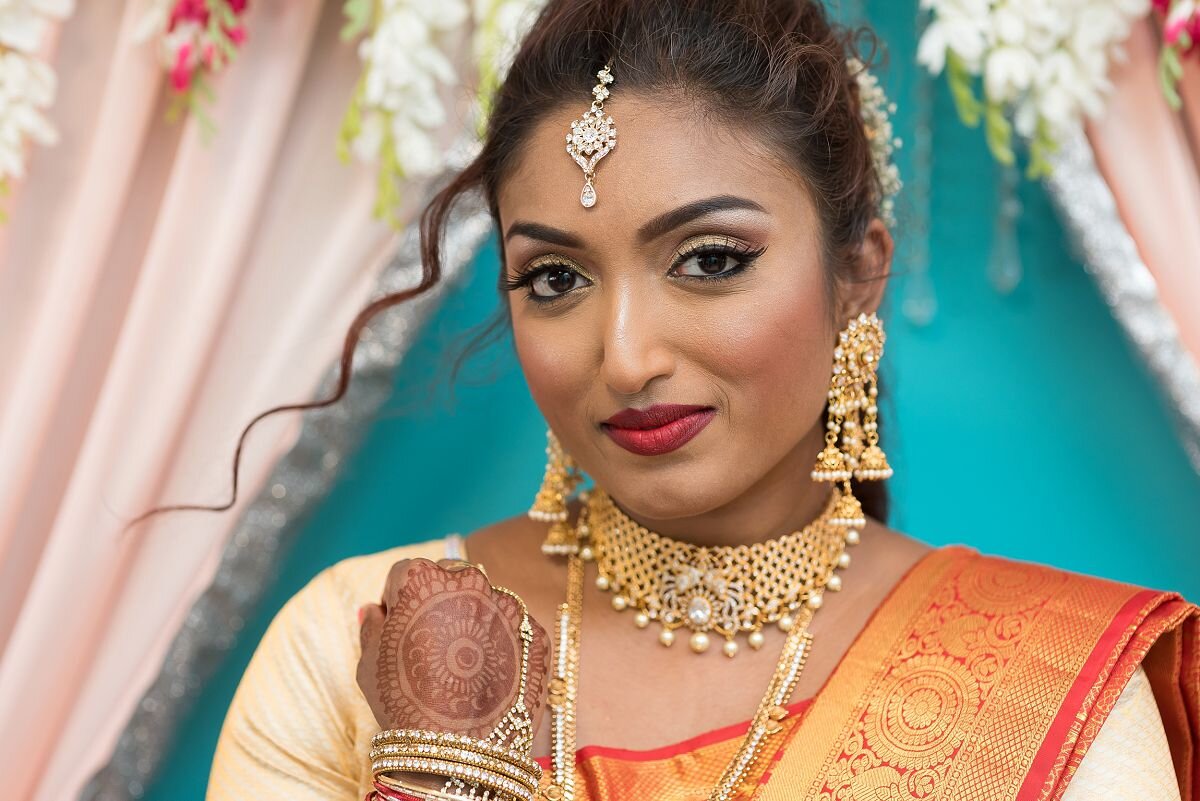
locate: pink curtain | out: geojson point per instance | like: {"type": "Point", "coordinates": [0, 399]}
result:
{"type": "Point", "coordinates": [156, 292]}
{"type": "Point", "coordinates": [1150, 157]}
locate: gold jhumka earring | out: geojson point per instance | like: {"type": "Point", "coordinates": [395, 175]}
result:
{"type": "Point", "coordinates": [559, 481]}
{"type": "Point", "coordinates": [854, 417]}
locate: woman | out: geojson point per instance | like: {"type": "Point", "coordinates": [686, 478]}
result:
{"type": "Point", "coordinates": [694, 312]}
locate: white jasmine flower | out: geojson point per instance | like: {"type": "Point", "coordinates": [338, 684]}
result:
{"type": "Point", "coordinates": [1046, 63]}
{"type": "Point", "coordinates": [1009, 71]}
{"type": "Point", "coordinates": [27, 88]}
{"type": "Point", "coordinates": [406, 71]}
{"type": "Point", "coordinates": [27, 85]}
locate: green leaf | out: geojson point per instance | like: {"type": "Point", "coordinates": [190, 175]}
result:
{"type": "Point", "coordinates": [1040, 149]}
{"type": "Point", "coordinates": [358, 18]}
{"type": "Point", "coordinates": [201, 87]}
{"type": "Point", "coordinates": [228, 49]}
{"type": "Point", "coordinates": [998, 131]}
{"type": "Point", "coordinates": [199, 112]}
{"type": "Point", "coordinates": [1170, 70]}
{"type": "Point", "coordinates": [177, 106]}
{"type": "Point", "coordinates": [960, 79]}
{"type": "Point", "coordinates": [351, 121]}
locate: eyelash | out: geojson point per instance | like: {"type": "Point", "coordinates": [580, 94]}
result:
{"type": "Point", "coordinates": [744, 255]}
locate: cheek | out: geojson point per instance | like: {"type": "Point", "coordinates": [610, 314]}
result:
{"type": "Point", "coordinates": [554, 363]}
{"type": "Point", "coordinates": [774, 353]}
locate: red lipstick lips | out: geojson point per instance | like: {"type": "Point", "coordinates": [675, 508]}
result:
{"type": "Point", "coordinates": [659, 429]}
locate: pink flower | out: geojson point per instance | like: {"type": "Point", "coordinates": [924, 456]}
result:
{"type": "Point", "coordinates": [181, 72]}
{"type": "Point", "coordinates": [1183, 17]}
{"type": "Point", "coordinates": [190, 11]}
{"type": "Point", "coordinates": [190, 46]}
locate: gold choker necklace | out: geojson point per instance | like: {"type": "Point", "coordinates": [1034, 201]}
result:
{"type": "Point", "coordinates": [777, 581]}
{"type": "Point", "coordinates": [715, 591]}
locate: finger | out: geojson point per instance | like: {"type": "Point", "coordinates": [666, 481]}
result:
{"type": "Point", "coordinates": [398, 577]}
{"type": "Point", "coordinates": [371, 619]}
{"type": "Point", "coordinates": [459, 575]}
{"type": "Point", "coordinates": [370, 623]}
{"type": "Point", "coordinates": [539, 666]}
{"type": "Point", "coordinates": [461, 564]}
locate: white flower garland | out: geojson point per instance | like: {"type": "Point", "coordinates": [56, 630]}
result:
{"type": "Point", "coordinates": [1044, 64]}
{"type": "Point", "coordinates": [27, 84]}
{"type": "Point", "coordinates": [876, 111]}
{"type": "Point", "coordinates": [397, 107]}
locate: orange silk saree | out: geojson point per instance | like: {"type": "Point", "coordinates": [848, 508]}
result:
{"type": "Point", "coordinates": [979, 678]}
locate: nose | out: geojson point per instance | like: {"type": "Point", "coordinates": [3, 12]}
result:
{"type": "Point", "coordinates": [637, 349]}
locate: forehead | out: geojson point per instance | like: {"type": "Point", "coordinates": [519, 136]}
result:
{"type": "Point", "coordinates": [667, 154]}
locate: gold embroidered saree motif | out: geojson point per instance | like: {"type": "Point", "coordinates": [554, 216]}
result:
{"type": "Point", "coordinates": [950, 691]}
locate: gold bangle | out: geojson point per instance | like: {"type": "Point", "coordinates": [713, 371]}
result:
{"type": "Point", "coordinates": [391, 741]}
{"type": "Point", "coordinates": [470, 759]}
{"type": "Point", "coordinates": [454, 770]}
{"type": "Point", "coordinates": [466, 751]}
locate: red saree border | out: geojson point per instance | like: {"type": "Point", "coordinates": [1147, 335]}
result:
{"type": "Point", "coordinates": [982, 678]}
{"type": "Point", "coordinates": [1051, 760]}
{"type": "Point", "coordinates": [1146, 618]}
{"type": "Point", "coordinates": [693, 743]}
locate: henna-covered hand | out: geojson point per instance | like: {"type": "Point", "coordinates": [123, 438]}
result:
{"type": "Point", "coordinates": [443, 651]}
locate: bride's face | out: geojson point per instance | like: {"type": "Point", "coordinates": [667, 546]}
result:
{"type": "Point", "coordinates": [696, 279]}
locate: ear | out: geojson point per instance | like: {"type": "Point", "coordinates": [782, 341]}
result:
{"type": "Point", "coordinates": [861, 291]}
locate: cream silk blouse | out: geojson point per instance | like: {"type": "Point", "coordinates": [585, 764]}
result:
{"type": "Point", "coordinates": [299, 728]}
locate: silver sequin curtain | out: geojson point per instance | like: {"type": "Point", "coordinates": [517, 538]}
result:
{"type": "Point", "coordinates": [1088, 211]}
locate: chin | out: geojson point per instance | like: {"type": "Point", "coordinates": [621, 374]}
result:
{"type": "Point", "coordinates": [668, 494]}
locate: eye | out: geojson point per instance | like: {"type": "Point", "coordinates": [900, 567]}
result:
{"type": "Point", "coordinates": [714, 258]}
{"type": "Point", "coordinates": [550, 282]}
{"type": "Point", "coordinates": [547, 278]}
{"type": "Point", "coordinates": [708, 263]}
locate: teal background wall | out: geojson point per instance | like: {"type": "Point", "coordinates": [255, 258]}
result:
{"type": "Point", "coordinates": [1022, 425]}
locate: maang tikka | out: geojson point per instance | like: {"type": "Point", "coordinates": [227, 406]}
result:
{"type": "Point", "coordinates": [592, 136]}
{"type": "Point", "coordinates": [853, 417]}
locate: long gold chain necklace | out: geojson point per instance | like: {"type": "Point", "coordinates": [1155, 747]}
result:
{"type": "Point", "coordinates": [595, 538]}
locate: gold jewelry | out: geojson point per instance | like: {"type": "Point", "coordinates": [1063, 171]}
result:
{"type": "Point", "coordinates": [592, 136]}
{"type": "Point", "coordinates": [445, 763]}
{"type": "Point", "coordinates": [385, 756]}
{"type": "Point", "coordinates": [559, 481]}
{"type": "Point", "coordinates": [565, 686]}
{"type": "Point", "coordinates": [723, 590]}
{"type": "Point", "coordinates": [515, 729]}
{"type": "Point", "coordinates": [853, 415]}
{"type": "Point", "coordinates": [398, 742]}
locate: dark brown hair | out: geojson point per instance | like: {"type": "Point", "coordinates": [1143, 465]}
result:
{"type": "Point", "coordinates": [774, 68]}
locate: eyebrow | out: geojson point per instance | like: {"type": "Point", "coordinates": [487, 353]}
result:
{"type": "Point", "coordinates": [545, 233]}
{"type": "Point", "coordinates": [653, 229]}
{"type": "Point", "coordinates": [691, 211]}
